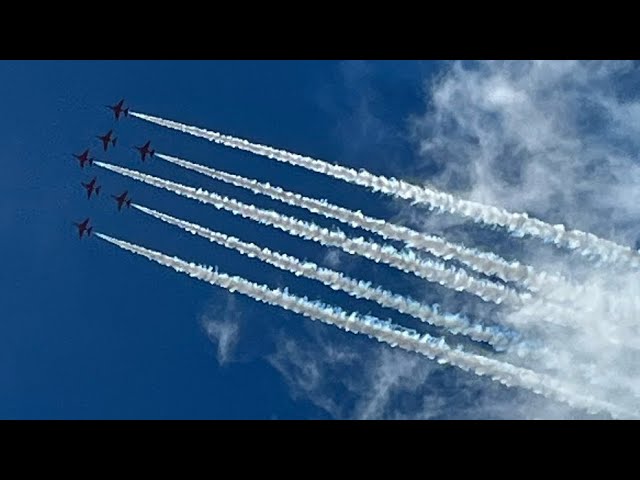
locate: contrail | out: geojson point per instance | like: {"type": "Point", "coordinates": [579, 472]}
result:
{"type": "Point", "coordinates": [338, 281]}
{"type": "Point", "coordinates": [553, 287]}
{"type": "Point", "coordinates": [483, 262]}
{"type": "Point", "coordinates": [406, 261]}
{"type": "Point", "coordinates": [383, 331]}
{"type": "Point", "coordinates": [519, 224]}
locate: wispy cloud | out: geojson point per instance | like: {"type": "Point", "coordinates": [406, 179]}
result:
{"type": "Point", "coordinates": [350, 381]}
{"type": "Point", "coordinates": [334, 258]}
{"type": "Point", "coordinates": [388, 376]}
{"type": "Point", "coordinates": [221, 322]}
{"type": "Point", "coordinates": [312, 369]}
{"type": "Point", "coordinates": [347, 381]}
{"type": "Point", "coordinates": [558, 140]}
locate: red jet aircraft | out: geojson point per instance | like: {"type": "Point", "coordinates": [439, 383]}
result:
{"type": "Point", "coordinates": [118, 109]}
{"type": "Point", "coordinates": [84, 158]}
{"type": "Point", "coordinates": [122, 200]}
{"type": "Point", "coordinates": [107, 138]}
{"type": "Point", "coordinates": [91, 187]}
{"type": "Point", "coordinates": [84, 227]}
{"type": "Point", "coordinates": [146, 150]}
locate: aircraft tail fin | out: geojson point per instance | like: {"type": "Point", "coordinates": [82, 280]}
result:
{"type": "Point", "coordinates": [126, 112]}
{"type": "Point", "coordinates": [113, 142]}
{"type": "Point", "coordinates": [89, 231]}
{"type": "Point", "coordinates": [129, 203]}
{"type": "Point", "coordinates": [151, 153]}
{"type": "Point", "coordinates": [98, 190]}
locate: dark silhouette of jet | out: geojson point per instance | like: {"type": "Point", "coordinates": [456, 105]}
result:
{"type": "Point", "coordinates": [91, 187]}
{"type": "Point", "coordinates": [107, 138]}
{"type": "Point", "coordinates": [122, 200]}
{"type": "Point", "coordinates": [118, 109]}
{"type": "Point", "coordinates": [145, 150]}
{"type": "Point", "coordinates": [84, 227]}
{"type": "Point", "coordinates": [84, 158]}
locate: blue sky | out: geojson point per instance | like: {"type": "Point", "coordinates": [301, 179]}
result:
{"type": "Point", "coordinates": [92, 332]}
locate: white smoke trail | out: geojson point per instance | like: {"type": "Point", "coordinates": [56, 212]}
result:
{"type": "Point", "coordinates": [483, 262]}
{"type": "Point", "coordinates": [338, 281]}
{"type": "Point", "coordinates": [383, 331]}
{"type": "Point", "coordinates": [520, 224]}
{"type": "Point", "coordinates": [406, 261]}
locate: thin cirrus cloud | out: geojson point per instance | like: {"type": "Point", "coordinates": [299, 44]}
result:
{"type": "Point", "coordinates": [222, 326]}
